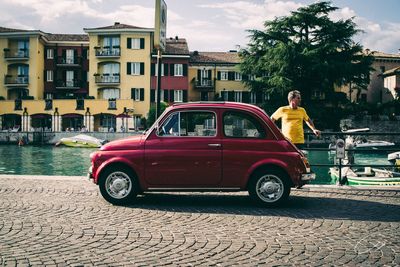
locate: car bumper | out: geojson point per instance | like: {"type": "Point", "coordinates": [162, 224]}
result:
{"type": "Point", "coordinates": [308, 176]}
{"type": "Point", "coordinates": [90, 173]}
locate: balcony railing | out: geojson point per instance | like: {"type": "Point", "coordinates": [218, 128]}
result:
{"type": "Point", "coordinates": [107, 51]}
{"type": "Point", "coordinates": [107, 79]}
{"type": "Point", "coordinates": [16, 54]}
{"type": "Point", "coordinates": [69, 61]}
{"type": "Point", "coordinates": [204, 83]}
{"type": "Point", "coordinates": [74, 84]}
{"type": "Point", "coordinates": [16, 80]}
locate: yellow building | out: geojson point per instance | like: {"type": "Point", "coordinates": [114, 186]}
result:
{"type": "Point", "coordinates": [99, 81]}
{"type": "Point", "coordinates": [216, 76]}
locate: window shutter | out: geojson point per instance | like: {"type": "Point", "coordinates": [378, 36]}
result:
{"type": "Point", "coordinates": [141, 43]}
{"type": "Point", "coordinates": [218, 75]}
{"type": "Point", "coordinates": [171, 95]}
{"type": "Point", "coordinates": [185, 69]}
{"type": "Point", "coordinates": [184, 95]}
{"type": "Point", "coordinates": [246, 97]}
{"type": "Point", "coordinates": [231, 96]}
{"type": "Point", "coordinates": [209, 74]}
{"type": "Point", "coordinates": [141, 68]}
{"type": "Point", "coordinates": [231, 75]}
{"type": "Point", "coordinates": [128, 68]}
{"type": "Point", "coordinates": [259, 97]}
{"type": "Point", "coordinates": [152, 95]}
{"type": "Point", "coordinates": [172, 69]}
{"type": "Point", "coordinates": [245, 77]}
{"type": "Point", "coordinates": [166, 95]}
{"type": "Point", "coordinates": [141, 94]}
{"type": "Point", "coordinates": [153, 69]}
{"type": "Point", "coordinates": [129, 43]}
{"type": "Point", "coordinates": [198, 74]}
{"type": "Point", "coordinates": [132, 93]}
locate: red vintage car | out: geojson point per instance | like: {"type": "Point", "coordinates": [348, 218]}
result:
{"type": "Point", "coordinates": [209, 146]}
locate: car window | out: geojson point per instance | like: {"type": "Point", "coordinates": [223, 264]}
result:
{"type": "Point", "coordinates": [238, 124]}
{"type": "Point", "coordinates": [189, 123]}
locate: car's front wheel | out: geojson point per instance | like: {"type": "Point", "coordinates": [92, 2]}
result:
{"type": "Point", "coordinates": [269, 188]}
{"type": "Point", "coordinates": [118, 186]}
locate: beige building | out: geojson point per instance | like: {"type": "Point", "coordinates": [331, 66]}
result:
{"type": "Point", "coordinates": [216, 76]}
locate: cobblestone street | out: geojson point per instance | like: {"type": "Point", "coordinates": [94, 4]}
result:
{"type": "Point", "coordinates": [64, 221]}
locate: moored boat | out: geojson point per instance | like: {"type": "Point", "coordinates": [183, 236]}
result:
{"type": "Point", "coordinates": [366, 176]}
{"type": "Point", "coordinates": [81, 140]}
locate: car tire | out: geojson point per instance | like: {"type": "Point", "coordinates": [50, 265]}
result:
{"type": "Point", "coordinates": [119, 186]}
{"type": "Point", "coordinates": [269, 188]}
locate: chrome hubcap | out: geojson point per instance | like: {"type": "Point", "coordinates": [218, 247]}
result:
{"type": "Point", "coordinates": [269, 188]}
{"type": "Point", "coordinates": [118, 185]}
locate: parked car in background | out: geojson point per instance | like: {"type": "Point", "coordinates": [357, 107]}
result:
{"type": "Point", "coordinates": [210, 146]}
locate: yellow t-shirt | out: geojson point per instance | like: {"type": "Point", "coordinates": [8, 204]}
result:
{"type": "Point", "coordinates": [292, 122]}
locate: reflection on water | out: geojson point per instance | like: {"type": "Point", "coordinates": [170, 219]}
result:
{"type": "Point", "coordinates": [49, 160]}
{"type": "Point", "coordinates": [44, 160]}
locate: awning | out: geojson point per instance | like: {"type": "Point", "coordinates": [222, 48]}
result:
{"type": "Point", "coordinates": [123, 115]}
{"type": "Point", "coordinates": [40, 116]}
{"type": "Point", "coordinates": [72, 115]}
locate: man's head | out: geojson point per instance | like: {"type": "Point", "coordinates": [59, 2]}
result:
{"type": "Point", "coordinates": [294, 98]}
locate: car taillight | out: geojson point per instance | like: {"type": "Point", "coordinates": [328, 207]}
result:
{"type": "Point", "coordinates": [306, 164]}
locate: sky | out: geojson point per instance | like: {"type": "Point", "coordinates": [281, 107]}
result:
{"type": "Point", "coordinates": [207, 25]}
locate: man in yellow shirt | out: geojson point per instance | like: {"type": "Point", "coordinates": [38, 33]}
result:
{"type": "Point", "coordinates": [292, 119]}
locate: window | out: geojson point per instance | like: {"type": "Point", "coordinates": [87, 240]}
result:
{"type": "Point", "coordinates": [196, 123]}
{"type": "Point", "coordinates": [135, 68]}
{"type": "Point", "coordinates": [224, 75]}
{"type": "Point", "coordinates": [178, 70]}
{"type": "Point", "coordinates": [156, 69]}
{"type": "Point", "coordinates": [69, 80]}
{"type": "Point", "coordinates": [69, 56]}
{"type": "Point", "coordinates": [238, 96]}
{"type": "Point", "coordinates": [242, 125]}
{"type": "Point", "coordinates": [50, 54]}
{"type": "Point", "coordinates": [111, 93]}
{"type": "Point", "coordinates": [49, 76]}
{"type": "Point", "coordinates": [137, 94]}
{"type": "Point", "coordinates": [238, 76]}
{"type": "Point", "coordinates": [112, 103]}
{"type": "Point", "coordinates": [253, 97]}
{"type": "Point", "coordinates": [135, 43]}
{"type": "Point", "coordinates": [178, 96]}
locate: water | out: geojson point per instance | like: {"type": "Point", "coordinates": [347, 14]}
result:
{"type": "Point", "coordinates": [50, 160]}
{"type": "Point", "coordinates": [44, 160]}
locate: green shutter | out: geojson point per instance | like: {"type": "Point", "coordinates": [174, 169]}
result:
{"type": "Point", "coordinates": [141, 43]}
{"type": "Point", "coordinates": [129, 43]}
{"type": "Point", "coordinates": [128, 68]}
{"type": "Point", "coordinates": [141, 94]}
{"type": "Point", "coordinates": [141, 68]}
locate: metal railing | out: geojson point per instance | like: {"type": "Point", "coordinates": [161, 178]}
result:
{"type": "Point", "coordinates": [327, 139]}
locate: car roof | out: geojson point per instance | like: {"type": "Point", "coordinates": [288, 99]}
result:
{"type": "Point", "coordinates": [218, 104]}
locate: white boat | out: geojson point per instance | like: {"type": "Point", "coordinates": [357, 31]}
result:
{"type": "Point", "coordinates": [362, 143]}
{"type": "Point", "coordinates": [80, 140]}
{"type": "Point", "coordinates": [394, 158]}
{"type": "Point", "coordinates": [366, 176]}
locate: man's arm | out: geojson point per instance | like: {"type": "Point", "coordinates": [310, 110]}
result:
{"type": "Point", "coordinates": [312, 127]}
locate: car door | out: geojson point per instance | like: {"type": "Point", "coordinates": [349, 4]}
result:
{"type": "Point", "coordinates": [185, 151]}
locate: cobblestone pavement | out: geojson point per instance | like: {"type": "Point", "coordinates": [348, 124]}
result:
{"type": "Point", "coordinates": [64, 221]}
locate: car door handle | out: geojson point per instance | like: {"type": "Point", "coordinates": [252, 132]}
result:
{"type": "Point", "coordinates": [214, 145]}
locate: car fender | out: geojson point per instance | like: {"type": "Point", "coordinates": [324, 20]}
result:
{"type": "Point", "coordinates": [117, 160]}
{"type": "Point", "coordinates": [264, 163]}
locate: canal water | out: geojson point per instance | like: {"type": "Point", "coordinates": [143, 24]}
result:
{"type": "Point", "coordinates": [51, 160]}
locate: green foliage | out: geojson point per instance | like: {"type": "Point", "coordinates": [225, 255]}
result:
{"type": "Point", "coordinates": [152, 113]}
{"type": "Point", "coordinates": [307, 51]}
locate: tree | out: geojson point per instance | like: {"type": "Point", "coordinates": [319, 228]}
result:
{"type": "Point", "coordinates": [306, 51]}
{"type": "Point", "coordinates": [152, 113]}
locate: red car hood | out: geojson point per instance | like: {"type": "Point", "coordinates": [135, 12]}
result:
{"type": "Point", "coordinates": [128, 143]}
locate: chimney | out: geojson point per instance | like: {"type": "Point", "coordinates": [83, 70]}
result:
{"type": "Point", "coordinates": [176, 38]}
{"type": "Point", "coordinates": [116, 23]}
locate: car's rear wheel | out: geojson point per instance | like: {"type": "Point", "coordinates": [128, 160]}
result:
{"type": "Point", "coordinates": [269, 188]}
{"type": "Point", "coordinates": [118, 186]}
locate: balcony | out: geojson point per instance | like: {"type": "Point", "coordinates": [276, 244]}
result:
{"type": "Point", "coordinates": [74, 84]}
{"type": "Point", "coordinates": [16, 80]}
{"type": "Point", "coordinates": [16, 54]}
{"type": "Point", "coordinates": [204, 84]}
{"type": "Point", "coordinates": [69, 62]}
{"type": "Point", "coordinates": [107, 52]}
{"type": "Point", "coordinates": [107, 79]}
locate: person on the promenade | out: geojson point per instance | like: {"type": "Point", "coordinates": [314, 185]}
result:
{"type": "Point", "coordinates": [292, 119]}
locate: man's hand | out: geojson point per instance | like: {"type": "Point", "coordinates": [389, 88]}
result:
{"type": "Point", "coordinates": [317, 132]}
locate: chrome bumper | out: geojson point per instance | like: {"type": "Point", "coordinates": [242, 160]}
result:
{"type": "Point", "coordinates": [90, 173]}
{"type": "Point", "coordinates": [308, 176]}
